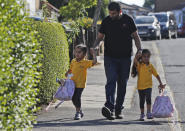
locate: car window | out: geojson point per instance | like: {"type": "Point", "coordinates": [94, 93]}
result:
{"type": "Point", "coordinates": [144, 20]}
{"type": "Point", "coordinates": [161, 17]}
{"type": "Point", "coordinates": [172, 17]}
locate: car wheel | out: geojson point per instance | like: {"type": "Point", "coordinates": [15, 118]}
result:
{"type": "Point", "coordinates": [155, 37]}
{"type": "Point", "coordinates": [159, 37]}
{"type": "Point", "coordinates": [144, 39]}
{"type": "Point", "coordinates": [175, 35]}
{"type": "Point", "coordinates": [169, 35]}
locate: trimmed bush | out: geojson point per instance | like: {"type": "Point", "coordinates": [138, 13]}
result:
{"type": "Point", "coordinates": [56, 58]}
{"type": "Point", "coordinates": [19, 55]}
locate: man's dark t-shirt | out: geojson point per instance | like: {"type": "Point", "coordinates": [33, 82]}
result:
{"type": "Point", "coordinates": [118, 40]}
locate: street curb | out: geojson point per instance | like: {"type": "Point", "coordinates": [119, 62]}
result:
{"type": "Point", "coordinates": [173, 121]}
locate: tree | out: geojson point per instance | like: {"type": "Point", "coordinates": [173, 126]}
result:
{"type": "Point", "coordinates": [97, 13]}
{"type": "Point", "coordinates": [76, 9]}
{"type": "Point", "coordinates": [103, 11]}
{"type": "Point", "coordinates": [58, 3]}
{"type": "Point", "coordinates": [20, 56]}
{"type": "Point", "coordinates": [149, 4]}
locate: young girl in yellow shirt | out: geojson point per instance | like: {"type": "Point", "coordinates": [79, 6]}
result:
{"type": "Point", "coordinates": [145, 71]}
{"type": "Point", "coordinates": [78, 68]}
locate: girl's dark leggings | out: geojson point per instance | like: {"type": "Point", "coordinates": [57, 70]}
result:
{"type": "Point", "coordinates": [145, 95]}
{"type": "Point", "coordinates": [77, 97]}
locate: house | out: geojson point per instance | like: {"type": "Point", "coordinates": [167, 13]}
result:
{"type": "Point", "coordinates": [177, 6]}
{"type": "Point", "coordinates": [34, 8]}
{"type": "Point", "coordinates": [133, 10]}
{"type": "Point", "coordinates": [166, 5]}
{"type": "Point", "coordinates": [179, 12]}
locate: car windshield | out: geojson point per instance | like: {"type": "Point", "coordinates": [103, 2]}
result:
{"type": "Point", "coordinates": [144, 20]}
{"type": "Point", "coordinates": [161, 17]}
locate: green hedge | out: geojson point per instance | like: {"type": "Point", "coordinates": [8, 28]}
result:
{"type": "Point", "coordinates": [19, 55]}
{"type": "Point", "coordinates": [56, 58]}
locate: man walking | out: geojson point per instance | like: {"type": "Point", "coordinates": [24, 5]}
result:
{"type": "Point", "coordinates": [117, 30]}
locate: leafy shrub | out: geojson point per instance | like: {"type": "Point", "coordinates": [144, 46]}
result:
{"type": "Point", "coordinates": [86, 22]}
{"type": "Point", "coordinates": [19, 55]}
{"type": "Point", "coordinates": [56, 58]}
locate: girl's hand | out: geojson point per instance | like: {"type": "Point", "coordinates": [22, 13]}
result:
{"type": "Point", "coordinates": [68, 72]}
{"type": "Point", "coordinates": [161, 86]}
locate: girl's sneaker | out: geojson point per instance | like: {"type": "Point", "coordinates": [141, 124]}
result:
{"type": "Point", "coordinates": [81, 113]}
{"type": "Point", "coordinates": [149, 115]}
{"type": "Point", "coordinates": [142, 116]}
{"type": "Point", "coordinates": [77, 116]}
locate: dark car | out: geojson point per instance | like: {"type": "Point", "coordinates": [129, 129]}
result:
{"type": "Point", "coordinates": [167, 22]}
{"type": "Point", "coordinates": [181, 30]}
{"type": "Point", "coordinates": [148, 27]}
{"type": "Point", "coordinates": [36, 18]}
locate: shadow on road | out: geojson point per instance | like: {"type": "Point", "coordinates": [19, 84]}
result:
{"type": "Point", "coordinates": [97, 122]}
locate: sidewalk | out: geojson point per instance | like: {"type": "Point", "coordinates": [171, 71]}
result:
{"type": "Point", "coordinates": [93, 99]}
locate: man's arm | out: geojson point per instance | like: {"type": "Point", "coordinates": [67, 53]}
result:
{"type": "Point", "coordinates": [97, 41]}
{"type": "Point", "coordinates": [93, 52]}
{"type": "Point", "coordinates": [137, 40]}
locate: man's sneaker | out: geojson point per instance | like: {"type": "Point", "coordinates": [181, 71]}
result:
{"type": "Point", "coordinates": [149, 115]}
{"type": "Point", "coordinates": [142, 116]}
{"type": "Point", "coordinates": [77, 116]}
{"type": "Point", "coordinates": [118, 115]}
{"type": "Point", "coordinates": [107, 113]}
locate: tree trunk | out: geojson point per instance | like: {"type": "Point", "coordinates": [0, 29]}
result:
{"type": "Point", "coordinates": [97, 14]}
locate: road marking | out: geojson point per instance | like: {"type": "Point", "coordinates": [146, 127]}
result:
{"type": "Point", "coordinates": [174, 121]}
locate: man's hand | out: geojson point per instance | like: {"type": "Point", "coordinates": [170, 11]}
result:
{"type": "Point", "coordinates": [96, 48]}
{"type": "Point", "coordinates": [93, 52]}
{"type": "Point", "coordinates": [138, 54]}
{"type": "Point", "coordinates": [97, 41]}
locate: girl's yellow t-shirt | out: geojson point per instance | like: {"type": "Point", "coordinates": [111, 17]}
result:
{"type": "Point", "coordinates": [79, 71]}
{"type": "Point", "coordinates": [145, 73]}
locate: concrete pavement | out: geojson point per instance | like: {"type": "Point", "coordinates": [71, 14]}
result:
{"type": "Point", "coordinates": [93, 99]}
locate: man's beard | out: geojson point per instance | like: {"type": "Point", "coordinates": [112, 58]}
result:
{"type": "Point", "coordinates": [115, 18]}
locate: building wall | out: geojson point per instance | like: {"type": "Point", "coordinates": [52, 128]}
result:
{"type": "Point", "coordinates": [37, 5]}
{"type": "Point", "coordinates": [166, 5]}
{"type": "Point", "coordinates": [31, 6]}
{"type": "Point", "coordinates": [179, 16]}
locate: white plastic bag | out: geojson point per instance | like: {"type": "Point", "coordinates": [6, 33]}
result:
{"type": "Point", "coordinates": [66, 91]}
{"type": "Point", "coordinates": [162, 107]}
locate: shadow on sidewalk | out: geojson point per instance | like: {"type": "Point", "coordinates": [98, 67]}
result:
{"type": "Point", "coordinates": [96, 122]}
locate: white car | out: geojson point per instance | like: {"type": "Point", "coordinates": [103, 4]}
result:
{"type": "Point", "coordinates": [148, 27]}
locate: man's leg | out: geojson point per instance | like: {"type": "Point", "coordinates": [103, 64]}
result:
{"type": "Point", "coordinates": [111, 75]}
{"type": "Point", "coordinates": [123, 75]}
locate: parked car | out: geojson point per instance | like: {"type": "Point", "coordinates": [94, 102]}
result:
{"type": "Point", "coordinates": [148, 27]}
{"type": "Point", "coordinates": [36, 18]}
{"type": "Point", "coordinates": [181, 30]}
{"type": "Point", "coordinates": [168, 24]}
{"type": "Point", "coordinates": [67, 26]}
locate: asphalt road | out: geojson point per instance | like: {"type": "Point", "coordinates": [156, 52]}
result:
{"type": "Point", "coordinates": [172, 54]}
